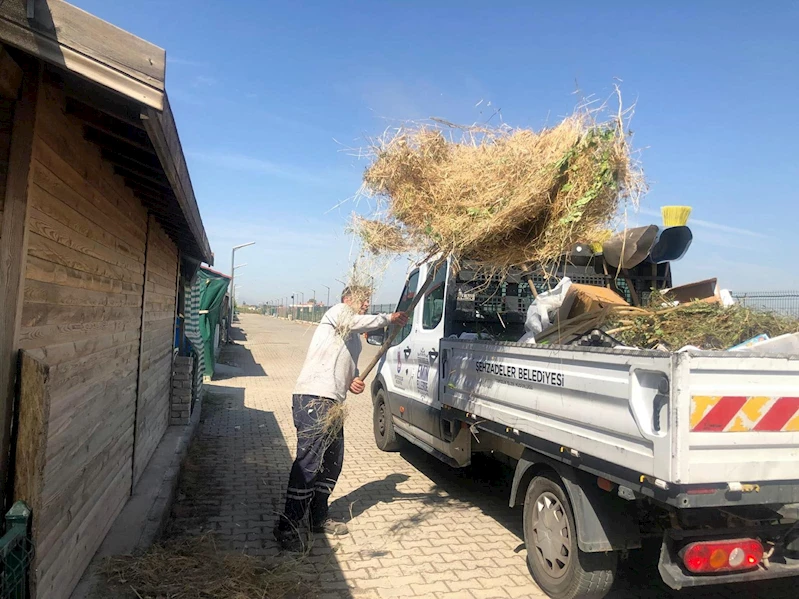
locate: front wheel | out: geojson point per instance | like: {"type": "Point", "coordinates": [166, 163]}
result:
{"type": "Point", "coordinates": [385, 437]}
{"type": "Point", "coordinates": [555, 562]}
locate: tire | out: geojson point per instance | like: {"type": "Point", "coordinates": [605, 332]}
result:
{"type": "Point", "coordinates": [385, 437]}
{"type": "Point", "coordinates": [553, 558]}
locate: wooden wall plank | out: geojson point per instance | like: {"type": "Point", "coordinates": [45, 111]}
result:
{"type": "Point", "coordinates": [53, 251]}
{"type": "Point", "coordinates": [61, 180]}
{"type": "Point", "coordinates": [49, 272]}
{"type": "Point", "coordinates": [155, 362]}
{"type": "Point", "coordinates": [73, 350]}
{"type": "Point", "coordinates": [33, 337]}
{"type": "Point", "coordinates": [64, 563]}
{"type": "Point", "coordinates": [53, 294]}
{"type": "Point", "coordinates": [64, 134]}
{"type": "Point", "coordinates": [13, 249]}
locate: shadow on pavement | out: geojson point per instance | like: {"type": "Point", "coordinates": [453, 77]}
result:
{"type": "Point", "coordinates": [486, 484]}
{"type": "Point", "coordinates": [233, 484]}
{"type": "Point", "coordinates": [236, 360]}
{"type": "Point", "coordinates": [237, 333]}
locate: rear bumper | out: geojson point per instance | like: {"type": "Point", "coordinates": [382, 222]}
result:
{"type": "Point", "coordinates": [674, 574]}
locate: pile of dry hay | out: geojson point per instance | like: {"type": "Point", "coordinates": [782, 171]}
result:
{"type": "Point", "coordinates": [197, 569]}
{"type": "Point", "coordinates": [701, 324]}
{"type": "Point", "coordinates": [498, 196]}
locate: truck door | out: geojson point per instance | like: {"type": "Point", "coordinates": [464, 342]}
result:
{"type": "Point", "coordinates": [424, 343]}
{"type": "Point", "coordinates": [397, 371]}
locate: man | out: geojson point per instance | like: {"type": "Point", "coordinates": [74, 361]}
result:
{"type": "Point", "coordinates": [329, 371]}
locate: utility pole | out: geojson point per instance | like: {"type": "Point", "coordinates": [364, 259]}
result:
{"type": "Point", "coordinates": [232, 281]}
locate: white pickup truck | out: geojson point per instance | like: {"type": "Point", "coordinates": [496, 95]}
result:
{"type": "Point", "coordinates": [609, 445]}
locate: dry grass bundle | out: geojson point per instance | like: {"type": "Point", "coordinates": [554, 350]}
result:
{"type": "Point", "coordinates": [330, 420]}
{"type": "Point", "coordinates": [501, 197]}
{"type": "Point", "coordinates": [704, 325]}
{"type": "Point", "coordinates": [379, 237]}
{"type": "Point", "coordinates": [197, 569]}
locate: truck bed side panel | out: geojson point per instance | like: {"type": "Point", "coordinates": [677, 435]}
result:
{"type": "Point", "coordinates": [597, 403]}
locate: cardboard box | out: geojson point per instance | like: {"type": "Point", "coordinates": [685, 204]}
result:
{"type": "Point", "coordinates": [588, 298]}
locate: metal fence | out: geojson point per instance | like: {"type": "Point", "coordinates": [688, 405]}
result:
{"type": "Point", "coordinates": [315, 313]}
{"type": "Point", "coordinates": [16, 553]}
{"type": "Point", "coordinates": [304, 313]}
{"type": "Point", "coordinates": [781, 302]}
{"type": "Point", "coordinates": [382, 308]}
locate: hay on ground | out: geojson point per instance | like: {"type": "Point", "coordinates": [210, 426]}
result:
{"type": "Point", "coordinates": [197, 569]}
{"type": "Point", "coordinates": [498, 196]}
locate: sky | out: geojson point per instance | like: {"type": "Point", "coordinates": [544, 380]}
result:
{"type": "Point", "coordinates": [274, 99]}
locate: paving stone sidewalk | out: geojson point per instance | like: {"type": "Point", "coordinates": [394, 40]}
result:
{"type": "Point", "coordinates": [418, 527]}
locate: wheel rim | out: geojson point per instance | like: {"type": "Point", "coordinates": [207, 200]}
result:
{"type": "Point", "coordinates": [552, 539]}
{"type": "Point", "coordinates": [381, 419]}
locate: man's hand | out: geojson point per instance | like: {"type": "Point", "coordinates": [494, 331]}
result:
{"type": "Point", "coordinates": [357, 386]}
{"type": "Point", "coordinates": [399, 319]}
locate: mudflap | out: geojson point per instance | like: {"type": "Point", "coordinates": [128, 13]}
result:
{"type": "Point", "coordinates": [605, 522]}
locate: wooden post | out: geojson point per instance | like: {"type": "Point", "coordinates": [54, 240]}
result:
{"type": "Point", "coordinates": [13, 257]}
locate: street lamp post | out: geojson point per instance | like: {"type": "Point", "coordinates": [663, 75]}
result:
{"type": "Point", "coordinates": [232, 281]}
{"type": "Point", "coordinates": [328, 295]}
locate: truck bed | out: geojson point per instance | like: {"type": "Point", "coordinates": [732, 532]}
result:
{"type": "Point", "coordinates": [685, 418]}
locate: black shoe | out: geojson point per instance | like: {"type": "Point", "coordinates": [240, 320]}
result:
{"type": "Point", "coordinates": [289, 540]}
{"type": "Point", "coordinates": [331, 527]}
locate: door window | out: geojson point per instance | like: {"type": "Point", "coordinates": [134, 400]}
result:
{"type": "Point", "coordinates": [433, 305]}
{"type": "Point", "coordinates": [404, 303]}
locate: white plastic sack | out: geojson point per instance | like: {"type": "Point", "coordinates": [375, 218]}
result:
{"type": "Point", "coordinates": [726, 298]}
{"type": "Point", "coordinates": [542, 312]}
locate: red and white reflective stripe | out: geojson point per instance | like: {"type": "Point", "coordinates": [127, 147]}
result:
{"type": "Point", "coordinates": [733, 414]}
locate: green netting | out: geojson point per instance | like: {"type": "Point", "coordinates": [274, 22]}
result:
{"type": "Point", "coordinates": [212, 293]}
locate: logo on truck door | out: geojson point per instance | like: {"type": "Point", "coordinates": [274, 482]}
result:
{"type": "Point", "coordinates": [422, 372]}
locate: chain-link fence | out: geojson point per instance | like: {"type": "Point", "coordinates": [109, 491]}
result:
{"type": "Point", "coordinates": [781, 302]}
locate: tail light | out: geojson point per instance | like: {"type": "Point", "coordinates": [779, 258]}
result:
{"type": "Point", "coordinates": [709, 557]}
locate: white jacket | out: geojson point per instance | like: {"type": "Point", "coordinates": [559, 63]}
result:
{"type": "Point", "coordinates": [332, 360]}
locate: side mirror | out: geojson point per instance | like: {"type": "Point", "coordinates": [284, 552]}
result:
{"type": "Point", "coordinates": [375, 337]}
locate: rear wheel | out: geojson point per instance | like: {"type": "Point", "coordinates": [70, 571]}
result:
{"type": "Point", "coordinates": [385, 437]}
{"type": "Point", "coordinates": [556, 563]}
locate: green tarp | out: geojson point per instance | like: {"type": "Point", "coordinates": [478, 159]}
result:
{"type": "Point", "coordinates": [213, 288]}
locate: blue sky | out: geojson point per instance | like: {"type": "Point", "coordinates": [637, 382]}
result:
{"type": "Point", "coordinates": [269, 98]}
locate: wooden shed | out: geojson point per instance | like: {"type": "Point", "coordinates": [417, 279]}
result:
{"type": "Point", "coordinates": [99, 224]}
